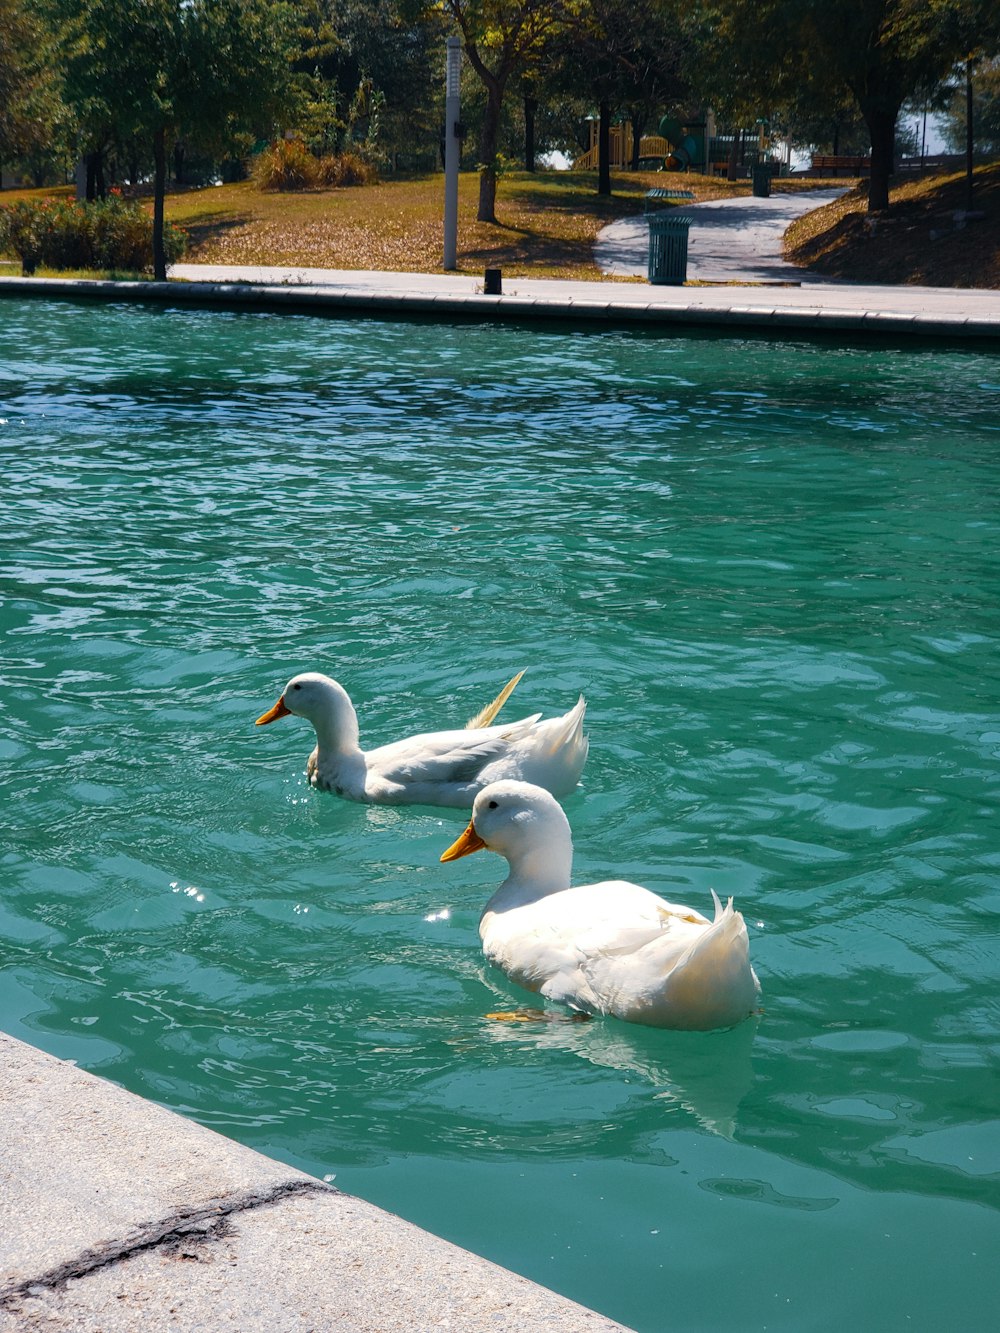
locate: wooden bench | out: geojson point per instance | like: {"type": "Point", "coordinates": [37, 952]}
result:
{"type": "Point", "coordinates": [831, 164]}
{"type": "Point", "coordinates": [657, 198]}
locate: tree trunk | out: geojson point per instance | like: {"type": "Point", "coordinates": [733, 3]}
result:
{"type": "Point", "coordinates": [159, 190]}
{"type": "Point", "coordinates": [488, 154]}
{"type": "Point", "coordinates": [735, 149]}
{"type": "Point", "coordinates": [530, 106]}
{"type": "Point", "coordinates": [882, 128]}
{"type": "Point", "coordinates": [95, 176]}
{"type": "Point", "coordinates": [604, 149]}
{"type": "Point", "coordinates": [638, 122]}
{"type": "Point", "coordinates": [969, 135]}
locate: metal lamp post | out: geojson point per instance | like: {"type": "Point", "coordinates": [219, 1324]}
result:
{"type": "Point", "coordinates": [452, 150]}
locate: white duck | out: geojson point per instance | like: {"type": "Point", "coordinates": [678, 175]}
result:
{"type": "Point", "coordinates": [609, 948]}
{"type": "Point", "coordinates": [438, 768]}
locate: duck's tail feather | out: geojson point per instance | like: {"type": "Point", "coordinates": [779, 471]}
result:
{"type": "Point", "coordinates": [559, 752]}
{"type": "Point", "coordinates": [486, 715]}
{"type": "Point", "coordinates": [713, 984]}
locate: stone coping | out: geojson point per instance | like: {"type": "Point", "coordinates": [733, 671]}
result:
{"type": "Point", "coordinates": [776, 310]}
{"type": "Point", "coordinates": [118, 1215]}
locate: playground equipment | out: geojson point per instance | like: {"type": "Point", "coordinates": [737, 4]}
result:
{"type": "Point", "coordinates": [687, 143]}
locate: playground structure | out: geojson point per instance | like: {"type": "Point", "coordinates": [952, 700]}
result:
{"type": "Point", "coordinates": [692, 144]}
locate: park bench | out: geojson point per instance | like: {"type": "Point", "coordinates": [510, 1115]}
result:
{"type": "Point", "coordinates": [832, 164]}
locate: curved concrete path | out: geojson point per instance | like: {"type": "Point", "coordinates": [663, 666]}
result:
{"type": "Point", "coordinates": [730, 240]}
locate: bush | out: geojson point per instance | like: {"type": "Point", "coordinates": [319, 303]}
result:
{"type": "Point", "coordinates": [347, 169]}
{"type": "Point", "coordinates": [286, 165]}
{"type": "Point", "coordinates": [289, 165]}
{"type": "Point", "coordinates": [109, 234]}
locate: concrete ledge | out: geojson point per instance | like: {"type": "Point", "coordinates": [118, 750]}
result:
{"type": "Point", "coordinates": [896, 313]}
{"type": "Point", "coordinates": [116, 1214]}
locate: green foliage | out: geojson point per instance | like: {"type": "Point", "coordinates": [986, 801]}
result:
{"type": "Point", "coordinates": [32, 116]}
{"type": "Point", "coordinates": [289, 165]}
{"type": "Point", "coordinates": [985, 110]}
{"type": "Point", "coordinates": [110, 234]}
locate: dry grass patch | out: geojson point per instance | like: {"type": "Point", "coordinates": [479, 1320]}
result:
{"type": "Point", "coordinates": [917, 242]}
{"type": "Point", "coordinates": [547, 223]}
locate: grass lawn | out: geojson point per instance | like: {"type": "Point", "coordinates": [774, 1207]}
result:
{"type": "Point", "coordinates": [547, 222]}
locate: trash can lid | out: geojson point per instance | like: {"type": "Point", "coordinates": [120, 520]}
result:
{"type": "Point", "coordinates": [667, 221]}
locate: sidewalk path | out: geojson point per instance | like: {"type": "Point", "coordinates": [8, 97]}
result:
{"type": "Point", "coordinates": [730, 240]}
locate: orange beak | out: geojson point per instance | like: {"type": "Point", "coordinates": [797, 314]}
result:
{"type": "Point", "coordinates": [272, 714]}
{"type": "Point", "coordinates": [466, 842]}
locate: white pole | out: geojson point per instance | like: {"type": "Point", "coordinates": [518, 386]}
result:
{"type": "Point", "coordinates": [452, 150]}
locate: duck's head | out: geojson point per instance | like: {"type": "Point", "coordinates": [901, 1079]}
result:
{"type": "Point", "coordinates": [310, 695]}
{"type": "Point", "coordinates": [515, 819]}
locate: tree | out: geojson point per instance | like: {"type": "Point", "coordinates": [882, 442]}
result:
{"type": "Point", "coordinates": [628, 60]}
{"type": "Point", "coordinates": [880, 51]}
{"type": "Point", "coordinates": [363, 52]}
{"type": "Point", "coordinates": [499, 37]}
{"type": "Point", "coordinates": [954, 122]}
{"type": "Point", "coordinates": [156, 70]}
{"type": "Point", "coordinates": [29, 103]}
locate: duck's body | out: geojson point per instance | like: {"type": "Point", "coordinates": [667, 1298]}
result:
{"type": "Point", "coordinates": [436, 768]}
{"type": "Point", "coordinates": [608, 948]}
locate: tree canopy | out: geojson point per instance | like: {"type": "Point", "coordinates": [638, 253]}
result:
{"type": "Point", "coordinates": [123, 83]}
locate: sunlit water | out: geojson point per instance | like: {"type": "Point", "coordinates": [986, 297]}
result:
{"type": "Point", "coordinates": [773, 569]}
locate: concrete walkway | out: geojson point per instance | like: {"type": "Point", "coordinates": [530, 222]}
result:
{"type": "Point", "coordinates": [118, 1216]}
{"type": "Point", "coordinates": [730, 240]}
{"type": "Point", "coordinates": [813, 307]}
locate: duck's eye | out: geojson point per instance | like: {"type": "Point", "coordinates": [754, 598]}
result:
{"type": "Point", "coordinates": [493, 805]}
{"type": "Point", "coordinates": [296, 686]}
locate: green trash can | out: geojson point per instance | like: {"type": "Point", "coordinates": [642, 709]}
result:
{"type": "Point", "coordinates": [762, 180]}
{"type": "Point", "coordinates": [668, 248]}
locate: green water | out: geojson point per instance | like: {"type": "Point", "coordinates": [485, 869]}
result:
{"type": "Point", "coordinates": [773, 569]}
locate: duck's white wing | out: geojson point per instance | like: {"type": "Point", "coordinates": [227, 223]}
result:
{"type": "Point", "coordinates": [445, 756]}
{"type": "Point", "coordinates": [554, 944]}
{"type": "Point", "coordinates": [694, 976]}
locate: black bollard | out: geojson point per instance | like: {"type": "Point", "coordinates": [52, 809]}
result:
{"type": "Point", "coordinates": [493, 286]}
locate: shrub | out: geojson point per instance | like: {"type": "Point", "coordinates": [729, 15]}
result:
{"type": "Point", "coordinates": [109, 234]}
{"type": "Point", "coordinates": [347, 169]}
{"type": "Point", "coordinates": [23, 228]}
{"type": "Point", "coordinates": [286, 165]}
{"type": "Point", "coordinates": [289, 165]}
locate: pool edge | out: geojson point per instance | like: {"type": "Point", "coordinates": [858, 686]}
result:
{"type": "Point", "coordinates": [606, 305]}
{"type": "Point", "coordinates": [117, 1209]}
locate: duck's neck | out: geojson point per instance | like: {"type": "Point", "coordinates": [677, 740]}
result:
{"type": "Point", "coordinates": [336, 725]}
{"type": "Point", "coordinates": [340, 761]}
{"type": "Point", "coordinates": [535, 872]}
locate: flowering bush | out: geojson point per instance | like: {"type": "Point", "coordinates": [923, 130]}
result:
{"type": "Point", "coordinates": [109, 234]}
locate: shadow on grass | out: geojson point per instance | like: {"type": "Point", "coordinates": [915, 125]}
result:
{"type": "Point", "coordinates": [532, 248]}
{"type": "Point", "coordinates": [212, 226]}
{"type": "Point", "coordinates": [575, 197]}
